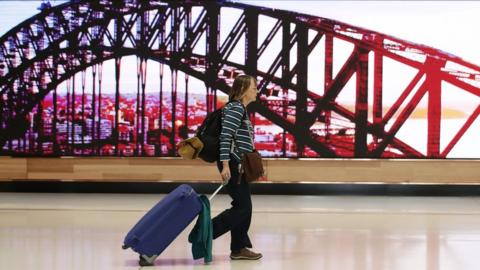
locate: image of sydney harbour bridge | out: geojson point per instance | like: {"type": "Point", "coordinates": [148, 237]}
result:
{"type": "Point", "coordinates": [54, 99]}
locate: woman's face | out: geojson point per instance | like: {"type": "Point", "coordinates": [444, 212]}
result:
{"type": "Point", "coordinates": [251, 93]}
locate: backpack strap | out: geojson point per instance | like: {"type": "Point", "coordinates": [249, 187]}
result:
{"type": "Point", "coordinates": [243, 118]}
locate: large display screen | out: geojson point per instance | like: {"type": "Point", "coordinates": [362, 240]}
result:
{"type": "Point", "coordinates": [380, 79]}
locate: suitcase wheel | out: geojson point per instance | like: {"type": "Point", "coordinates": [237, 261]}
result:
{"type": "Point", "coordinates": [145, 260]}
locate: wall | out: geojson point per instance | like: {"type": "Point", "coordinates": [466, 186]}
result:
{"type": "Point", "coordinates": [277, 170]}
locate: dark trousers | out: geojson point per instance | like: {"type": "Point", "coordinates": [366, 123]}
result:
{"type": "Point", "coordinates": [237, 218]}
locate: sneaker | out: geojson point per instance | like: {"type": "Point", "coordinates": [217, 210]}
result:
{"type": "Point", "coordinates": [245, 254]}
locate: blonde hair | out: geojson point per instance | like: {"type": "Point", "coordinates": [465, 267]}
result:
{"type": "Point", "coordinates": [240, 86]}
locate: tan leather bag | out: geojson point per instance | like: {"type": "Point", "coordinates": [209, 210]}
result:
{"type": "Point", "coordinates": [190, 148]}
{"type": "Point", "coordinates": [252, 166]}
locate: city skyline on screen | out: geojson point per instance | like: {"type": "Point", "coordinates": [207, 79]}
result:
{"type": "Point", "coordinates": [447, 26]}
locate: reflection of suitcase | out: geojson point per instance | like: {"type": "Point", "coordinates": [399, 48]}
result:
{"type": "Point", "coordinates": [163, 223]}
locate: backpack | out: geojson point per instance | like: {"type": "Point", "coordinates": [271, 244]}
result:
{"type": "Point", "coordinates": [206, 143]}
{"type": "Point", "coordinates": [209, 134]}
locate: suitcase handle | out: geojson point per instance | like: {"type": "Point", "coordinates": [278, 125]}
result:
{"type": "Point", "coordinates": [216, 191]}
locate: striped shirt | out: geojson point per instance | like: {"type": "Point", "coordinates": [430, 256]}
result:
{"type": "Point", "coordinates": [236, 129]}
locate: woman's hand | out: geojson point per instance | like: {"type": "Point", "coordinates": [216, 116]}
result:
{"type": "Point", "coordinates": [226, 175]}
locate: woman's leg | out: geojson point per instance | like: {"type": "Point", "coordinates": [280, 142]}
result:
{"type": "Point", "coordinates": [237, 218]}
{"type": "Point", "coordinates": [239, 233]}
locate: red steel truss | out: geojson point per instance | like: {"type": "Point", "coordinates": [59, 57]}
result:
{"type": "Point", "coordinates": [62, 41]}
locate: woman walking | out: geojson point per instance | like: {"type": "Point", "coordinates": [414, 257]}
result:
{"type": "Point", "coordinates": [236, 138]}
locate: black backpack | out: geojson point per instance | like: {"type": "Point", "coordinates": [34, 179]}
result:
{"type": "Point", "coordinates": [209, 133]}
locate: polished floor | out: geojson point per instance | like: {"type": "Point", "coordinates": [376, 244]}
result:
{"type": "Point", "coordinates": [85, 231]}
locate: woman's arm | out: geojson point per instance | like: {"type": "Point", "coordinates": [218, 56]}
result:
{"type": "Point", "coordinates": [233, 114]}
{"type": "Point", "coordinates": [231, 121]}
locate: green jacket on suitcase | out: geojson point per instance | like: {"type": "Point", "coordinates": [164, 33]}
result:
{"type": "Point", "coordinates": [202, 233]}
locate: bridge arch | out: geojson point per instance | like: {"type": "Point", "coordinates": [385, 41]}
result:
{"type": "Point", "coordinates": [61, 41]}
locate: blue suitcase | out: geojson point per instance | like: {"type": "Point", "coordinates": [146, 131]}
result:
{"type": "Point", "coordinates": [163, 223]}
